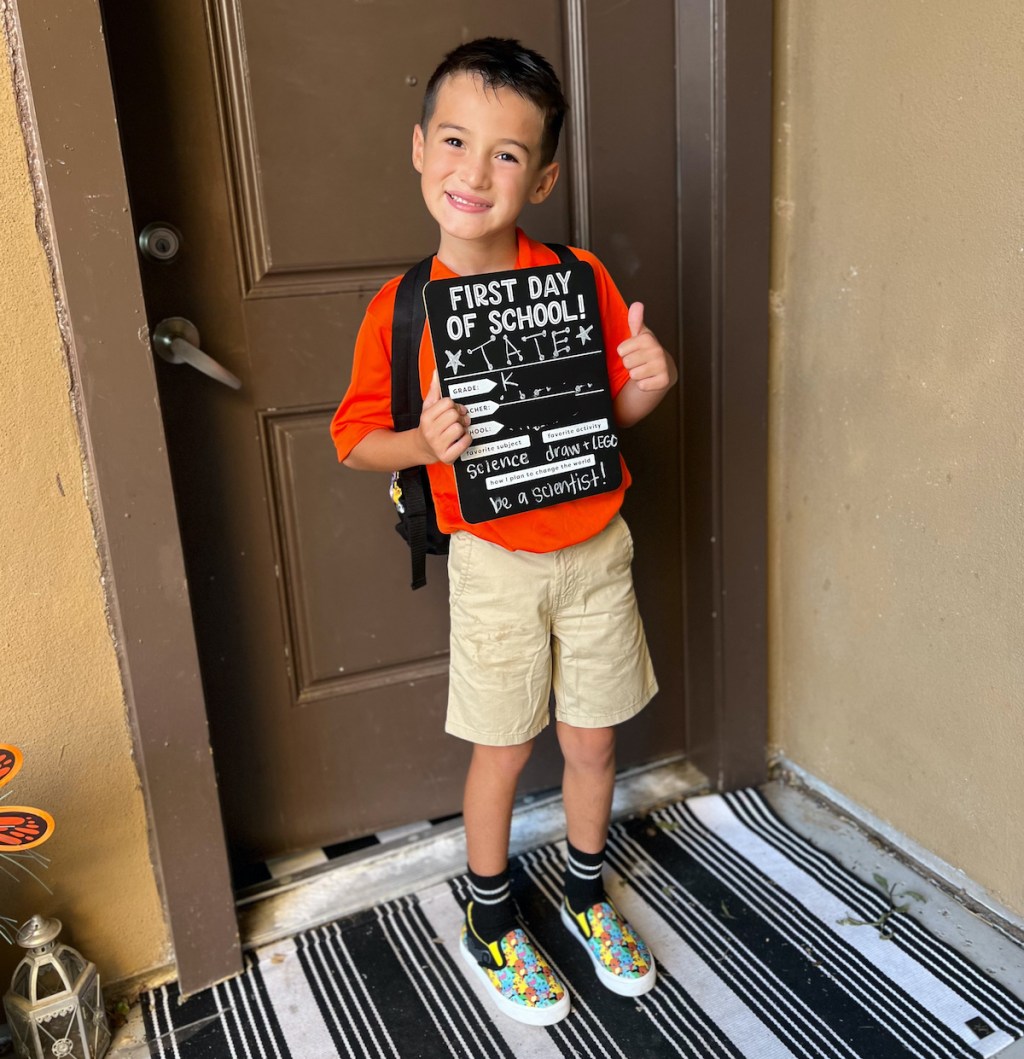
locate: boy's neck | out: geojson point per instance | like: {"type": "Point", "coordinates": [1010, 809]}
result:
{"type": "Point", "coordinates": [472, 257]}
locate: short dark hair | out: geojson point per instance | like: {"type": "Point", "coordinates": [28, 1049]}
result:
{"type": "Point", "coordinates": [503, 63]}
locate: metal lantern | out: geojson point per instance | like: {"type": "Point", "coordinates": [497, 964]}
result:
{"type": "Point", "coordinates": [55, 1007]}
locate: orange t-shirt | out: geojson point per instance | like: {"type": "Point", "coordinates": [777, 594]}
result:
{"type": "Point", "coordinates": [367, 407]}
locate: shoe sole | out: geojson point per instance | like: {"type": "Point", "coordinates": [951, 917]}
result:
{"type": "Point", "coordinates": [614, 982]}
{"type": "Point", "coordinates": [545, 1016]}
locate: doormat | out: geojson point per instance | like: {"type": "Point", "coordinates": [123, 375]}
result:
{"type": "Point", "coordinates": [766, 949]}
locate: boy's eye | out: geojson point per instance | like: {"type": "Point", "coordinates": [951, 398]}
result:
{"type": "Point", "coordinates": [453, 141]}
{"type": "Point", "coordinates": [506, 157]}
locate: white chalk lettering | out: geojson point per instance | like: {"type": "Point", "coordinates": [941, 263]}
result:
{"type": "Point", "coordinates": [490, 464]}
{"type": "Point", "coordinates": [548, 286]}
{"type": "Point", "coordinates": [474, 295]}
{"type": "Point", "coordinates": [460, 326]}
{"type": "Point", "coordinates": [536, 314]}
{"type": "Point", "coordinates": [574, 485]}
{"type": "Point", "coordinates": [605, 441]}
{"type": "Point", "coordinates": [561, 452]}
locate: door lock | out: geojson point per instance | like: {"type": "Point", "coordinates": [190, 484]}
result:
{"type": "Point", "coordinates": [160, 241]}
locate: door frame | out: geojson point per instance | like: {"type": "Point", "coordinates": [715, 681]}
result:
{"type": "Point", "coordinates": [724, 140]}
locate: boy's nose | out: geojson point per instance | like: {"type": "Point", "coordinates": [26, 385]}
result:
{"type": "Point", "coordinates": [476, 172]}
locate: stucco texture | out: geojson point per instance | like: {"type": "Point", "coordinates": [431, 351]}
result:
{"type": "Point", "coordinates": [897, 653]}
{"type": "Point", "coordinates": [61, 698]}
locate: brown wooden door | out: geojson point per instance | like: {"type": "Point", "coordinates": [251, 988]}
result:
{"type": "Point", "coordinates": [275, 137]}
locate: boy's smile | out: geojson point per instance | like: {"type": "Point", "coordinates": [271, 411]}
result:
{"type": "Point", "coordinates": [480, 164]}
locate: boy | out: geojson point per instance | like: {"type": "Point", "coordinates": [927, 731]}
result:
{"type": "Point", "coordinates": [540, 598]}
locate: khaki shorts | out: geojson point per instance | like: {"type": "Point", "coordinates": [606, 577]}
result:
{"type": "Point", "coordinates": [524, 623]}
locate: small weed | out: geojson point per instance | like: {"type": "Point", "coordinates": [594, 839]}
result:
{"type": "Point", "coordinates": [881, 924]}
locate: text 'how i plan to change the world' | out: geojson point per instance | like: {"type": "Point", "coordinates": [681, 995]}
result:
{"type": "Point", "coordinates": [524, 352]}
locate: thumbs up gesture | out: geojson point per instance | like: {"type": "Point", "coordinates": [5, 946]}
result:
{"type": "Point", "coordinates": [650, 368]}
{"type": "Point", "coordinates": [635, 316]}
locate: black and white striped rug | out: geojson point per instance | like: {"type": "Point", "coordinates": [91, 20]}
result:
{"type": "Point", "coordinates": [767, 949]}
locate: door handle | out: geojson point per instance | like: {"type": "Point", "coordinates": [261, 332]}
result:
{"type": "Point", "coordinates": [176, 340]}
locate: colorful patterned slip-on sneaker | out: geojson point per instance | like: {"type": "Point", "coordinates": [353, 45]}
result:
{"type": "Point", "coordinates": [517, 977]}
{"type": "Point", "coordinates": [621, 959]}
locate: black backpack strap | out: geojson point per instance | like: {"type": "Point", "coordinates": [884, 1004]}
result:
{"type": "Point", "coordinates": [565, 255]}
{"type": "Point", "coordinates": [410, 317]}
{"type": "Point", "coordinates": [415, 497]}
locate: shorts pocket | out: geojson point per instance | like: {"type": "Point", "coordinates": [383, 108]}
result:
{"type": "Point", "coordinates": [460, 558]}
{"type": "Point", "coordinates": [629, 538]}
{"type": "Point", "coordinates": [620, 538]}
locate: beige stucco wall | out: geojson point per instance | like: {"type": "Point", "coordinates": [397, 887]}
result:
{"type": "Point", "coordinates": [61, 698]}
{"type": "Point", "coordinates": [898, 418]}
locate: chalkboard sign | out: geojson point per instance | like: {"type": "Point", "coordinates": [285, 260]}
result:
{"type": "Point", "coordinates": [524, 352]}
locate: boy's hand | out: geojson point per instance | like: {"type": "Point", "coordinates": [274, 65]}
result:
{"type": "Point", "coordinates": [444, 426]}
{"type": "Point", "coordinates": [649, 366]}
{"type": "Point", "coordinates": [652, 372]}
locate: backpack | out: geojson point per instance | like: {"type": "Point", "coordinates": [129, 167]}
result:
{"type": "Point", "coordinates": [410, 488]}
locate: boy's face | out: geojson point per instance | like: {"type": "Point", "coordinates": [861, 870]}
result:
{"type": "Point", "coordinates": [480, 161]}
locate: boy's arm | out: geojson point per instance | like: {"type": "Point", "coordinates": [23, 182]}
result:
{"type": "Point", "coordinates": [652, 372]}
{"type": "Point", "coordinates": [442, 436]}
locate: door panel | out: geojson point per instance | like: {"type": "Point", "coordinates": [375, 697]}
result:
{"type": "Point", "coordinates": [322, 180]}
{"type": "Point", "coordinates": [276, 138]}
{"type": "Point", "coordinates": [336, 646]}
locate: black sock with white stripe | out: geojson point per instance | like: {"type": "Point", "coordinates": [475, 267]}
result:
{"type": "Point", "coordinates": [493, 915]}
{"type": "Point", "coordinates": [584, 885]}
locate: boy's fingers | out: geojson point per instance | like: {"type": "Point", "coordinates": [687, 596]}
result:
{"type": "Point", "coordinates": [635, 318]}
{"type": "Point", "coordinates": [434, 393]}
{"type": "Point", "coordinates": [461, 445]}
{"type": "Point", "coordinates": [452, 447]}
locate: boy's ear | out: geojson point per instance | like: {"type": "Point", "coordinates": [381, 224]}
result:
{"type": "Point", "coordinates": [417, 149]}
{"type": "Point", "coordinates": [545, 182]}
